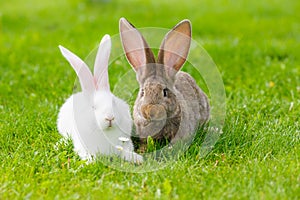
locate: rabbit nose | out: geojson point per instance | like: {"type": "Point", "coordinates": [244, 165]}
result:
{"type": "Point", "coordinates": [109, 119]}
{"type": "Point", "coordinates": [156, 112]}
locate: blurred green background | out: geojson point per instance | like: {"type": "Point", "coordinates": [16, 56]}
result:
{"type": "Point", "coordinates": [255, 45]}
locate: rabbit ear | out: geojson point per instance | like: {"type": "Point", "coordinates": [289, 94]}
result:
{"type": "Point", "coordinates": [175, 47]}
{"type": "Point", "coordinates": [83, 72]}
{"type": "Point", "coordinates": [136, 48]}
{"type": "Point", "coordinates": [101, 64]}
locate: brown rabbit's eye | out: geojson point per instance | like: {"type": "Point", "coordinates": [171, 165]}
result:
{"type": "Point", "coordinates": [165, 91]}
{"type": "Point", "coordinates": [142, 92]}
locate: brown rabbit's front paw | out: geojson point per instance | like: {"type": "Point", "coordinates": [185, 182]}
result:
{"type": "Point", "coordinates": [142, 149]}
{"type": "Point", "coordinates": [141, 146]}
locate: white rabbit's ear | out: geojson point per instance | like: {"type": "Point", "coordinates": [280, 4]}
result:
{"type": "Point", "coordinates": [136, 48]}
{"type": "Point", "coordinates": [84, 74]}
{"type": "Point", "coordinates": [101, 64]}
{"type": "Point", "coordinates": [175, 47]}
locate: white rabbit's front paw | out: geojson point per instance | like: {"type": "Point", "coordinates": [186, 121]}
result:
{"type": "Point", "coordinates": [132, 157]}
{"type": "Point", "coordinates": [138, 159]}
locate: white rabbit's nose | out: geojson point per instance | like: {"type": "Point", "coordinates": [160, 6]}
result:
{"type": "Point", "coordinates": [109, 119]}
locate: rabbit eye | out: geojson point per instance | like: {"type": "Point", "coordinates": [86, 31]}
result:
{"type": "Point", "coordinates": [142, 92]}
{"type": "Point", "coordinates": [165, 91]}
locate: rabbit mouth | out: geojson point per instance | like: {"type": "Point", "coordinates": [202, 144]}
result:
{"type": "Point", "coordinates": [108, 127]}
{"type": "Point", "coordinates": [109, 123]}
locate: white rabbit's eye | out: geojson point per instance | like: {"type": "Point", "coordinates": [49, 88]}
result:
{"type": "Point", "coordinates": [142, 92]}
{"type": "Point", "coordinates": [165, 92]}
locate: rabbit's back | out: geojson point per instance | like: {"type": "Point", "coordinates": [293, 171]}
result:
{"type": "Point", "coordinates": [193, 101]}
{"type": "Point", "coordinates": [66, 125]}
{"type": "Point", "coordinates": [65, 121]}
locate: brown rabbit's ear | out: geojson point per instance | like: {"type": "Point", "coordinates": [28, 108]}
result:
{"type": "Point", "coordinates": [175, 47]}
{"type": "Point", "coordinates": [136, 48]}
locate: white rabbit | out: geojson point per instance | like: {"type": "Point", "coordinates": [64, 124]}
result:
{"type": "Point", "coordinates": [97, 121]}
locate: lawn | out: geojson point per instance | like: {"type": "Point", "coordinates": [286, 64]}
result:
{"type": "Point", "coordinates": [255, 46]}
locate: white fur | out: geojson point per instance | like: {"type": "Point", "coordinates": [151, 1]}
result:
{"type": "Point", "coordinates": [83, 117]}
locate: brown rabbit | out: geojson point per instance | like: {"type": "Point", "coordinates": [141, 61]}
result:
{"type": "Point", "coordinates": [170, 106]}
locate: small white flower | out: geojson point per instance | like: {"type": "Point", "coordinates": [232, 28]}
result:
{"type": "Point", "coordinates": [119, 148]}
{"type": "Point", "coordinates": [123, 139]}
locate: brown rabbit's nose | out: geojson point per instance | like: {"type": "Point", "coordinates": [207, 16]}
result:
{"type": "Point", "coordinates": [109, 119]}
{"type": "Point", "coordinates": [153, 112]}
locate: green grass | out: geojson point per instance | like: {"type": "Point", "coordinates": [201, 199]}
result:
{"type": "Point", "coordinates": [256, 47]}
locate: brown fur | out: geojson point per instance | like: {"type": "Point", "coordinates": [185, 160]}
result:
{"type": "Point", "coordinates": [170, 106]}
